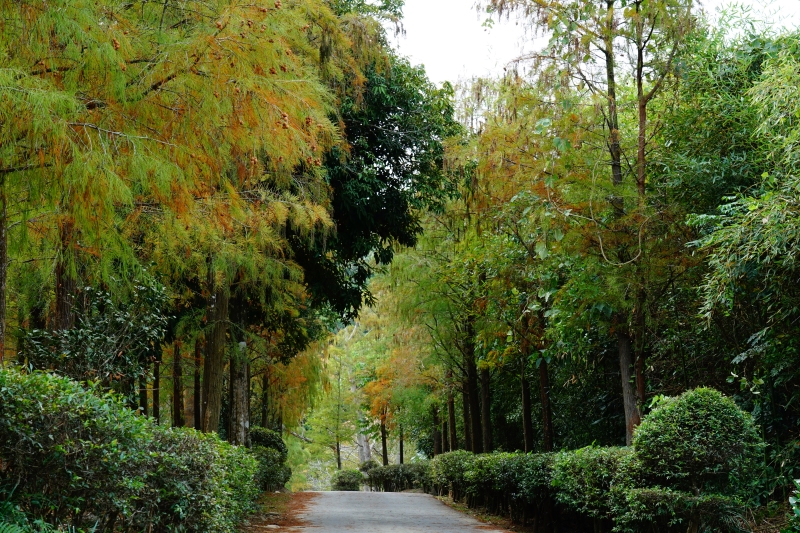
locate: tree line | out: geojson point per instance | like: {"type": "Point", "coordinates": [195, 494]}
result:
{"type": "Point", "coordinates": [623, 231]}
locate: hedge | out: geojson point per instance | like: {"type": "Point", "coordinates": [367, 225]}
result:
{"type": "Point", "coordinates": [687, 469]}
{"type": "Point", "coordinates": [271, 452]}
{"type": "Point", "coordinates": [397, 478]}
{"type": "Point", "coordinates": [349, 480]}
{"type": "Point", "coordinates": [77, 458]}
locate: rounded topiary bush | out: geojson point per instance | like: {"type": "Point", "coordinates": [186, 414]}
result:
{"type": "Point", "coordinates": [347, 480]}
{"type": "Point", "coordinates": [267, 438]}
{"type": "Point", "coordinates": [699, 441]}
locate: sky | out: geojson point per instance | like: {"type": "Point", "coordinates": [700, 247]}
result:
{"type": "Point", "coordinates": [450, 39]}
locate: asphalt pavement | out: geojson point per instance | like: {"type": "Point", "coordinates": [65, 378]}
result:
{"type": "Point", "coordinates": [385, 512]}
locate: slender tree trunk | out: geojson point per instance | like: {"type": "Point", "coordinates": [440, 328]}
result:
{"type": "Point", "coordinates": [265, 398]}
{"type": "Point", "coordinates": [384, 448]}
{"type": "Point", "coordinates": [338, 454]}
{"type": "Point", "coordinates": [632, 416]}
{"type": "Point", "coordinates": [400, 454]}
{"type": "Point", "coordinates": [467, 417]}
{"type": "Point", "coordinates": [437, 435]}
{"type": "Point", "coordinates": [486, 410]}
{"type": "Point", "coordinates": [3, 268]}
{"type": "Point", "coordinates": [474, 404]}
{"type": "Point", "coordinates": [143, 396]}
{"type": "Point", "coordinates": [527, 418]}
{"type": "Point", "coordinates": [547, 412]}
{"type": "Point", "coordinates": [66, 284]}
{"type": "Point", "coordinates": [215, 359]}
{"type": "Point", "coordinates": [451, 420]}
{"type": "Point", "coordinates": [197, 400]}
{"type": "Point", "coordinates": [177, 387]}
{"type": "Point", "coordinates": [239, 420]}
{"type": "Point", "coordinates": [445, 443]}
{"type": "Point", "coordinates": [639, 364]}
{"type": "Point", "coordinates": [157, 388]}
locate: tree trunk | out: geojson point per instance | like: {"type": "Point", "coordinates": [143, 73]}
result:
{"type": "Point", "coordinates": [338, 454]}
{"type": "Point", "coordinates": [215, 359]}
{"type": "Point", "coordinates": [265, 398]}
{"type": "Point", "coordinates": [639, 361]}
{"type": "Point", "coordinates": [384, 449]}
{"type": "Point", "coordinates": [632, 416]}
{"type": "Point", "coordinates": [445, 443]}
{"type": "Point", "coordinates": [451, 420]}
{"type": "Point", "coordinates": [157, 388]}
{"type": "Point", "coordinates": [547, 412]}
{"type": "Point", "coordinates": [486, 410]}
{"type": "Point", "coordinates": [3, 268]}
{"type": "Point", "coordinates": [66, 284]}
{"type": "Point", "coordinates": [400, 454]}
{"type": "Point", "coordinates": [143, 395]}
{"type": "Point", "coordinates": [474, 404]}
{"type": "Point", "coordinates": [177, 387]}
{"type": "Point", "coordinates": [527, 418]}
{"type": "Point", "coordinates": [467, 417]}
{"type": "Point", "coordinates": [239, 421]}
{"type": "Point", "coordinates": [437, 435]}
{"type": "Point", "coordinates": [197, 400]}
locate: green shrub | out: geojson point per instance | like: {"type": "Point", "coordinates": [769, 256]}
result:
{"type": "Point", "coordinates": [77, 458]}
{"type": "Point", "coordinates": [366, 466]}
{"type": "Point", "coordinates": [350, 480]}
{"type": "Point", "coordinates": [273, 473]}
{"type": "Point", "coordinates": [267, 438]}
{"type": "Point", "coordinates": [794, 502]}
{"type": "Point", "coordinates": [447, 472]}
{"type": "Point", "coordinates": [699, 442]}
{"type": "Point", "coordinates": [583, 478]}
{"type": "Point", "coordinates": [397, 478]}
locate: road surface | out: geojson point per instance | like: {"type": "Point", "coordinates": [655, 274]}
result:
{"type": "Point", "coordinates": [384, 512]}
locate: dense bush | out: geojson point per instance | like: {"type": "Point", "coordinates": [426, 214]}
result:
{"type": "Point", "coordinates": [271, 452]}
{"type": "Point", "coordinates": [644, 488]}
{"type": "Point", "coordinates": [350, 480]}
{"type": "Point", "coordinates": [273, 472]}
{"type": "Point", "coordinates": [583, 478]}
{"type": "Point", "coordinates": [447, 472]}
{"type": "Point", "coordinates": [77, 458]}
{"type": "Point", "coordinates": [366, 466]}
{"type": "Point", "coordinates": [267, 438]}
{"type": "Point", "coordinates": [397, 478]}
{"type": "Point", "coordinates": [699, 442]}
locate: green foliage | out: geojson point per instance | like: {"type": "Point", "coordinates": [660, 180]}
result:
{"type": "Point", "coordinates": [366, 466]}
{"type": "Point", "coordinates": [447, 472]}
{"type": "Point", "coordinates": [350, 480]}
{"type": "Point", "coordinates": [583, 478]}
{"type": "Point", "coordinates": [80, 457]}
{"type": "Point", "coordinates": [273, 472]}
{"type": "Point", "coordinates": [268, 438]}
{"type": "Point", "coordinates": [794, 502]}
{"type": "Point", "coordinates": [700, 441]}
{"type": "Point", "coordinates": [397, 478]}
{"type": "Point", "coordinates": [112, 338]}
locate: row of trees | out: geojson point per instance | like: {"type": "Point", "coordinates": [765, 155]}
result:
{"type": "Point", "coordinates": [206, 187]}
{"type": "Point", "coordinates": [624, 230]}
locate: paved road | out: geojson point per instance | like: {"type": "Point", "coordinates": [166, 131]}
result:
{"type": "Point", "coordinates": [385, 512]}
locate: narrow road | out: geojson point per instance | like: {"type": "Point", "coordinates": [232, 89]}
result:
{"type": "Point", "coordinates": [384, 512]}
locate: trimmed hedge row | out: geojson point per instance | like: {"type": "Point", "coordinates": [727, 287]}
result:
{"type": "Point", "coordinates": [397, 478]}
{"type": "Point", "coordinates": [78, 458]}
{"type": "Point", "coordinates": [691, 465]}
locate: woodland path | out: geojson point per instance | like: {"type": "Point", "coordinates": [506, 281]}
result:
{"type": "Point", "coordinates": [384, 512]}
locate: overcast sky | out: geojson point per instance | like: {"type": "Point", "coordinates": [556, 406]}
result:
{"type": "Point", "coordinates": [449, 38]}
